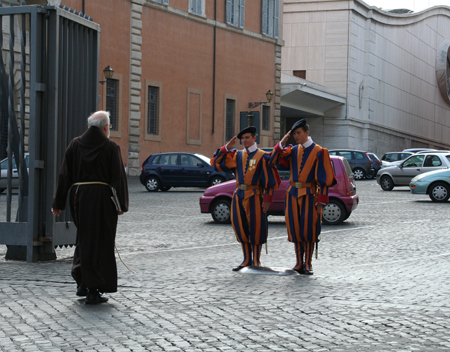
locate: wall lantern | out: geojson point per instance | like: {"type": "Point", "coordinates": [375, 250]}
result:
{"type": "Point", "coordinates": [269, 97]}
{"type": "Point", "coordinates": [108, 73]}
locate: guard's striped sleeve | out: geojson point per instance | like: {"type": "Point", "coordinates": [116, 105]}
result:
{"type": "Point", "coordinates": [269, 177]}
{"type": "Point", "coordinates": [281, 156]}
{"type": "Point", "coordinates": [223, 160]}
{"type": "Point", "coordinates": [324, 175]}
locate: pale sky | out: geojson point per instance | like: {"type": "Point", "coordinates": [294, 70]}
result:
{"type": "Point", "coordinates": [415, 5]}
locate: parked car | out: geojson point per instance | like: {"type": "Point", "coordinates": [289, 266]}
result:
{"type": "Point", "coordinates": [376, 163]}
{"type": "Point", "coordinates": [416, 150]}
{"type": "Point", "coordinates": [359, 161]}
{"type": "Point", "coordinates": [402, 174]}
{"type": "Point", "coordinates": [166, 170]}
{"type": "Point", "coordinates": [388, 159]}
{"type": "Point", "coordinates": [15, 172]}
{"type": "Point", "coordinates": [343, 198]}
{"type": "Point", "coordinates": [434, 183]}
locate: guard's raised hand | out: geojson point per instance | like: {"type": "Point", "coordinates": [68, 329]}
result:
{"type": "Point", "coordinates": [285, 139]}
{"type": "Point", "coordinates": [231, 143]}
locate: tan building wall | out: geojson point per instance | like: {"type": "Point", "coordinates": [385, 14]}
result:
{"type": "Point", "coordinates": [383, 64]}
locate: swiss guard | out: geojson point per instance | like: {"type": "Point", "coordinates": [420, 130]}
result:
{"type": "Point", "coordinates": [311, 175]}
{"type": "Point", "coordinates": [256, 179]}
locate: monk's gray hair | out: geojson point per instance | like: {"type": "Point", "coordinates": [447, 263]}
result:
{"type": "Point", "coordinates": [99, 119]}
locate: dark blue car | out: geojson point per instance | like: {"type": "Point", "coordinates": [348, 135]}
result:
{"type": "Point", "coordinates": [166, 170]}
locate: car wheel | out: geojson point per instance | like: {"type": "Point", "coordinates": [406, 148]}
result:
{"type": "Point", "coordinates": [221, 211]}
{"type": "Point", "coordinates": [347, 215]}
{"type": "Point", "coordinates": [386, 183]}
{"type": "Point", "coordinates": [359, 174]}
{"type": "Point", "coordinates": [152, 183]}
{"type": "Point", "coordinates": [371, 176]}
{"type": "Point", "coordinates": [165, 188]}
{"type": "Point", "coordinates": [333, 213]}
{"type": "Point", "coordinates": [439, 192]}
{"type": "Point", "coordinates": [215, 180]}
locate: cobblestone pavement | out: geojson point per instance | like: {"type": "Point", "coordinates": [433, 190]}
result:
{"type": "Point", "coordinates": [380, 284]}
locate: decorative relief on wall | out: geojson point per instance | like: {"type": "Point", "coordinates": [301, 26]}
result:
{"type": "Point", "coordinates": [443, 69]}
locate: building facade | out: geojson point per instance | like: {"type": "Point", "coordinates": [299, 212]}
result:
{"type": "Point", "coordinates": [367, 79]}
{"type": "Point", "coordinates": [185, 72]}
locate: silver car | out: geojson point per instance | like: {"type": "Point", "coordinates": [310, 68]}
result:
{"type": "Point", "coordinates": [15, 173]}
{"type": "Point", "coordinates": [402, 174]}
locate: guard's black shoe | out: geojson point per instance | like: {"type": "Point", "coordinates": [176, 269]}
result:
{"type": "Point", "coordinates": [300, 271]}
{"type": "Point", "coordinates": [94, 297]}
{"type": "Point", "coordinates": [82, 291]}
{"type": "Point", "coordinates": [238, 268]}
{"type": "Point", "coordinates": [308, 272]}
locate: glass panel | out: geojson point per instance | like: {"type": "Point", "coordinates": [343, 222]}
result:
{"type": "Point", "coordinates": [152, 123]}
{"type": "Point", "coordinates": [414, 161]}
{"type": "Point", "coordinates": [112, 86]}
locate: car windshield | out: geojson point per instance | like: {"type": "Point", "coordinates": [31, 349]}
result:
{"type": "Point", "coordinates": [414, 161]}
{"type": "Point", "coordinates": [204, 158]}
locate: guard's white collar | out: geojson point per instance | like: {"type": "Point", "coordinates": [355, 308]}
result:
{"type": "Point", "coordinates": [251, 149]}
{"type": "Point", "coordinates": [307, 143]}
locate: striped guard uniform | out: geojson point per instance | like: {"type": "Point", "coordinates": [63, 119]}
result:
{"type": "Point", "coordinates": [311, 175]}
{"type": "Point", "coordinates": [256, 180]}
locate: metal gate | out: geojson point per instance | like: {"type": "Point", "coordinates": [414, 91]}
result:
{"type": "Point", "coordinates": [48, 88]}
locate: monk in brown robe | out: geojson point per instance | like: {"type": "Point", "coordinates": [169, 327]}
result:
{"type": "Point", "coordinates": [92, 165]}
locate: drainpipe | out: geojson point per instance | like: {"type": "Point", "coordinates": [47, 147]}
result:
{"type": "Point", "coordinates": [214, 68]}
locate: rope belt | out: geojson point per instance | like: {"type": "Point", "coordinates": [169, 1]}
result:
{"type": "Point", "coordinates": [114, 198]}
{"type": "Point", "coordinates": [91, 183]}
{"type": "Point", "coordinates": [247, 187]}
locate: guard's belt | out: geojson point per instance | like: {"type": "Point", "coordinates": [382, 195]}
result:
{"type": "Point", "coordinates": [301, 185]}
{"type": "Point", "coordinates": [247, 187]}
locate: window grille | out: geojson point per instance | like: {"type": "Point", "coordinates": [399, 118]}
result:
{"type": "Point", "coordinates": [152, 123]}
{"type": "Point", "coordinates": [112, 92]}
{"type": "Point", "coordinates": [229, 133]}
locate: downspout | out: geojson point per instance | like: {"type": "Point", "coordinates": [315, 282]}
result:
{"type": "Point", "coordinates": [82, 7]}
{"type": "Point", "coordinates": [214, 68]}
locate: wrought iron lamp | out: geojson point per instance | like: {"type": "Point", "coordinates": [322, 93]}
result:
{"type": "Point", "coordinates": [269, 97]}
{"type": "Point", "coordinates": [108, 72]}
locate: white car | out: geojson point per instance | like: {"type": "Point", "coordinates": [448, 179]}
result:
{"type": "Point", "coordinates": [403, 173]}
{"type": "Point", "coordinates": [15, 173]}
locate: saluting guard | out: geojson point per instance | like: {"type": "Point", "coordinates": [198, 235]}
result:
{"type": "Point", "coordinates": [256, 180]}
{"type": "Point", "coordinates": [311, 175]}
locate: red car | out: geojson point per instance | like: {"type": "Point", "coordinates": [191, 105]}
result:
{"type": "Point", "coordinates": [343, 198]}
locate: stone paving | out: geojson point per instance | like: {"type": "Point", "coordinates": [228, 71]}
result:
{"type": "Point", "coordinates": [380, 284]}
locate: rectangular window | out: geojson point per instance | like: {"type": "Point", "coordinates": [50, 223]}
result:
{"type": "Point", "coordinates": [235, 10]}
{"type": "Point", "coordinates": [270, 14]}
{"type": "Point", "coordinates": [152, 111]}
{"type": "Point", "coordinates": [164, 2]}
{"type": "Point", "coordinates": [266, 118]}
{"type": "Point", "coordinates": [112, 92]}
{"type": "Point", "coordinates": [231, 106]}
{"type": "Point", "coordinates": [197, 7]}
{"type": "Point", "coordinates": [300, 73]}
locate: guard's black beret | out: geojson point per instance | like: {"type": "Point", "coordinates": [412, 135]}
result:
{"type": "Point", "coordinates": [249, 129]}
{"type": "Point", "coordinates": [299, 123]}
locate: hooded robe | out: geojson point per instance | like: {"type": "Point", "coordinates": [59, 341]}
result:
{"type": "Point", "coordinates": [92, 157]}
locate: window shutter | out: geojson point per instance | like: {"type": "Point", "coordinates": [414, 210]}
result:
{"type": "Point", "coordinates": [228, 11]}
{"type": "Point", "coordinates": [199, 7]}
{"type": "Point", "coordinates": [241, 13]}
{"type": "Point", "coordinates": [276, 15]}
{"type": "Point", "coordinates": [165, 2]}
{"type": "Point", "coordinates": [264, 18]}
